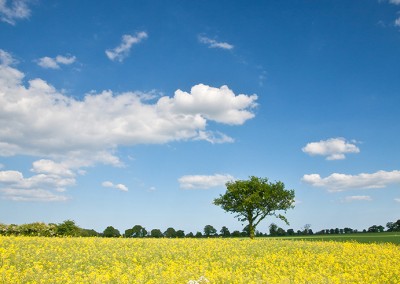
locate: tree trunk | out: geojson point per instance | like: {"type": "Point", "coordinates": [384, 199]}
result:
{"type": "Point", "coordinates": [251, 230]}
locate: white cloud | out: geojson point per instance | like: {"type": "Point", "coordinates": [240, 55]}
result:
{"type": "Point", "coordinates": [397, 200]}
{"type": "Point", "coordinates": [397, 22]}
{"type": "Point", "coordinates": [396, 2]}
{"type": "Point", "coordinates": [13, 10]}
{"type": "Point", "coordinates": [50, 178]}
{"type": "Point", "coordinates": [6, 58]}
{"type": "Point", "coordinates": [122, 51]}
{"type": "Point", "coordinates": [333, 148]}
{"type": "Point", "coordinates": [50, 167]}
{"type": "Point", "coordinates": [118, 186]}
{"type": "Point", "coordinates": [218, 104]}
{"type": "Point", "coordinates": [54, 63]}
{"type": "Point", "coordinates": [31, 195]}
{"type": "Point", "coordinates": [214, 137]}
{"type": "Point", "coordinates": [357, 198]}
{"type": "Point", "coordinates": [342, 182]}
{"type": "Point", "coordinates": [215, 44]}
{"type": "Point", "coordinates": [203, 181]}
{"type": "Point", "coordinates": [38, 120]}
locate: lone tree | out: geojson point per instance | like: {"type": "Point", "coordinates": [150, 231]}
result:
{"type": "Point", "coordinates": [253, 200]}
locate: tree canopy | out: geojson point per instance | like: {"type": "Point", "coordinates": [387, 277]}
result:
{"type": "Point", "coordinates": [254, 199]}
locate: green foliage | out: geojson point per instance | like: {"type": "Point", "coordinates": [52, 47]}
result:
{"type": "Point", "coordinates": [209, 231]}
{"type": "Point", "coordinates": [190, 235]}
{"type": "Point", "coordinates": [225, 232]}
{"type": "Point", "coordinates": [180, 234]}
{"type": "Point", "coordinates": [156, 233]}
{"type": "Point", "coordinates": [393, 226]}
{"type": "Point", "coordinates": [111, 232]}
{"type": "Point", "coordinates": [68, 228]}
{"type": "Point", "coordinates": [170, 233]}
{"type": "Point", "coordinates": [254, 199]}
{"type": "Point", "coordinates": [136, 232]}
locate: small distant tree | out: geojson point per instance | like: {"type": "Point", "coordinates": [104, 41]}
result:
{"type": "Point", "coordinates": [111, 232]}
{"type": "Point", "coordinates": [290, 232]}
{"type": "Point", "coordinates": [136, 232]}
{"type": "Point", "coordinates": [198, 235]}
{"type": "Point", "coordinates": [180, 234]}
{"type": "Point", "coordinates": [236, 234]}
{"type": "Point", "coordinates": [306, 230]}
{"type": "Point", "coordinates": [209, 231]}
{"type": "Point", "coordinates": [393, 226]}
{"type": "Point", "coordinates": [89, 233]}
{"type": "Point", "coordinates": [347, 230]}
{"type": "Point", "coordinates": [156, 233]}
{"type": "Point", "coordinates": [280, 232]}
{"type": "Point", "coordinates": [376, 229]}
{"type": "Point", "coordinates": [170, 233]}
{"type": "Point", "coordinates": [190, 235]}
{"type": "Point", "coordinates": [225, 232]}
{"type": "Point", "coordinates": [68, 228]}
{"type": "Point", "coordinates": [273, 229]}
{"type": "Point", "coordinates": [254, 199]}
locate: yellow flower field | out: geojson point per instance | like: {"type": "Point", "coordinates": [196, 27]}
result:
{"type": "Point", "coordinates": [99, 260]}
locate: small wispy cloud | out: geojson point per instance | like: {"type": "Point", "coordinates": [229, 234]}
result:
{"type": "Point", "coordinates": [333, 148]}
{"type": "Point", "coordinates": [54, 63]}
{"type": "Point", "coordinates": [204, 181]}
{"type": "Point", "coordinates": [214, 137]}
{"type": "Point", "coordinates": [397, 200]}
{"type": "Point", "coordinates": [122, 51]}
{"type": "Point", "coordinates": [357, 198]}
{"type": "Point", "coordinates": [214, 44]}
{"type": "Point", "coordinates": [13, 10]}
{"type": "Point", "coordinates": [118, 186]}
{"type": "Point", "coordinates": [342, 182]}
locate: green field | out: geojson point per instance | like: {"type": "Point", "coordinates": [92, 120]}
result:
{"type": "Point", "coordinates": [386, 237]}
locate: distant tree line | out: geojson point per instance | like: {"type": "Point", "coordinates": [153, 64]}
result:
{"type": "Point", "coordinates": [68, 228]}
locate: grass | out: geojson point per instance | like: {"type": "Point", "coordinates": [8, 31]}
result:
{"type": "Point", "coordinates": [385, 237]}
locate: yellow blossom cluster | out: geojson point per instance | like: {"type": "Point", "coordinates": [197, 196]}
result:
{"type": "Point", "coordinates": [100, 260]}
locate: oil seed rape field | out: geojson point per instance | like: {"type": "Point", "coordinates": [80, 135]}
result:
{"type": "Point", "coordinates": [99, 260]}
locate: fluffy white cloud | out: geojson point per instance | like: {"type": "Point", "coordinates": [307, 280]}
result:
{"type": "Point", "coordinates": [397, 200]}
{"type": "Point", "coordinates": [54, 63]}
{"type": "Point", "coordinates": [118, 186]}
{"type": "Point", "coordinates": [215, 44]}
{"type": "Point", "coordinates": [397, 22]}
{"type": "Point", "coordinates": [342, 182]}
{"type": "Point", "coordinates": [218, 104]}
{"type": "Point", "coordinates": [203, 181]}
{"type": "Point", "coordinates": [51, 167]}
{"type": "Point", "coordinates": [50, 180]}
{"type": "Point", "coordinates": [357, 198]}
{"type": "Point", "coordinates": [122, 51]}
{"type": "Point", "coordinates": [37, 120]}
{"type": "Point", "coordinates": [333, 148]}
{"type": "Point", "coordinates": [13, 10]}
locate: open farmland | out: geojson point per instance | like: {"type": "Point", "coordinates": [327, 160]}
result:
{"type": "Point", "coordinates": [99, 260]}
{"type": "Point", "coordinates": [384, 237]}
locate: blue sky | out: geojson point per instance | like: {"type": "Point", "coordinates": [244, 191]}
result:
{"type": "Point", "coordinates": [137, 112]}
